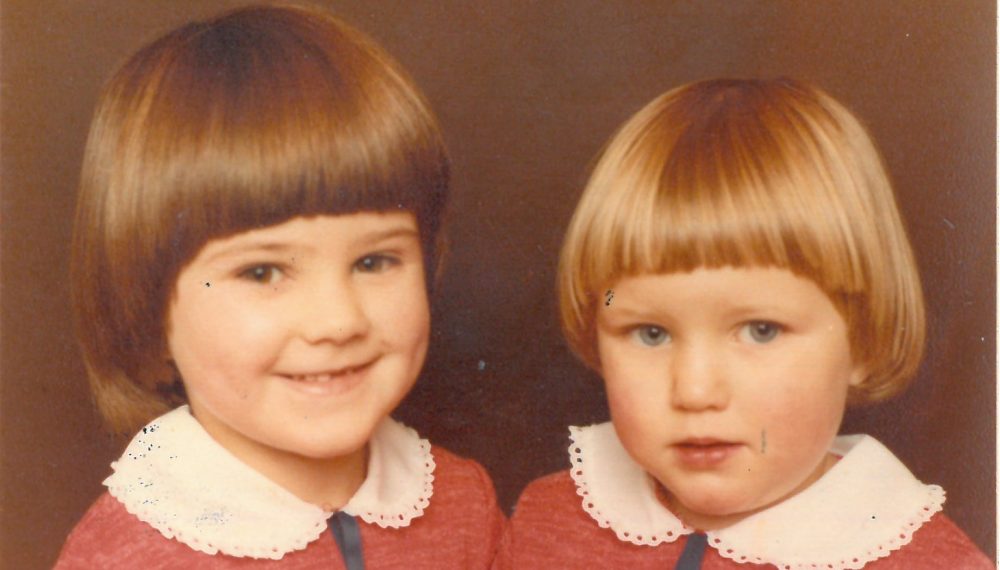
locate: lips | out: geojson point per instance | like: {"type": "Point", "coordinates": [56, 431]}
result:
{"type": "Point", "coordinates": [331, 381]}
{"type": "Point", "coordinates": [326, 376]}
{"type": "Point", "coordinates": [705, 452]}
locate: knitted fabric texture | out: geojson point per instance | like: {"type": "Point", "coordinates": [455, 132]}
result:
{"type": "Point", "coordinates": [866, 511]}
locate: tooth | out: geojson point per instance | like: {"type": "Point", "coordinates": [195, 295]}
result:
{"type": "Point", "coordinates": [325, 376]}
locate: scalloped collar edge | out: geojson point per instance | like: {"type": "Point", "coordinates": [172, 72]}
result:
{"type": "Point", "coordinates": [862, 509]}
{"type": "Point", "coordinates": [175, 477]}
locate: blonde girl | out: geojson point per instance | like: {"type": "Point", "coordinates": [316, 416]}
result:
{"type": "Point", "coordinates": [737, 271]}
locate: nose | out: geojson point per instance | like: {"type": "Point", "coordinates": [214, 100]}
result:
{"type": "Point", "coordinates": [698, 377]}
{"type": "Point", "coordinates": [332, 311]}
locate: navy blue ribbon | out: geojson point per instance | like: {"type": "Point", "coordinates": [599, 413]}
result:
{"type": "Point", "coordinates": [348, 536]}
{"type": "Point", "coordinates": [694, 552]}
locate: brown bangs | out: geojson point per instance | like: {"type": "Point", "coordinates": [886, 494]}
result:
{"type": "Point", "coordinates": [252, 123]}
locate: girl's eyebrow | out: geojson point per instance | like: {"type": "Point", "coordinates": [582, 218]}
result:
{"type": "Point", "coordinates": [245, 248]}
{"type": "Point", "coordinates": [279, 247]}
{"type": "Point", "coordinates": [388, 234]}
{"type": "Point", "coordinates": [626, 312]}
{"type": "Point", "coordinates": [763, 309]}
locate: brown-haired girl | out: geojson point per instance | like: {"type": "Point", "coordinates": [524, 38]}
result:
{"type": "Point", "coordinates": [258, 226]}
{"type": "Point", "coordinates": [737, 271]}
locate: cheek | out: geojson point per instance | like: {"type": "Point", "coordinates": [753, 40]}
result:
{"type": "Point", "coordinates": [414, 331]}
{"type": "Point", "coordinates": [802, 417]}
{"type": "Point", "coordinates": [209, 335]}
{"type": "Point", "coordinates": [402, 315]}
{"type": "Point", "coordinates": [637, 396]}
{"type": "Point", "coordinates": [615, 374]}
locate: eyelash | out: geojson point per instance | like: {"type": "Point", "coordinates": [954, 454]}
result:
{"type": "Point", "coordinates": [653, 335]}
{"type": "Point", "coordinates": [376, 263]}
{"type": "Point", "coordinates": [262, 273]}
{"type": "Point", "coordinates": [750, 328]}
{"type": "Point", "coordinates": [641, 333]}
{"type": "Point", "coordinates": [271, 273]}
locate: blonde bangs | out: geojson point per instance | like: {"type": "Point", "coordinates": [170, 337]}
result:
{"type": "Point", "coordinates": [748, 174]}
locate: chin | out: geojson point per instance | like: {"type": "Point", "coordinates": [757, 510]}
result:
{"type": "Point", "coordinates": [715, 508]}
{"type": "Point", "coordinates": [321, 451]}
{"type": "Point", "coordinates": [336, 443]}
{"type": "Point", "coordinates": [715, 503]}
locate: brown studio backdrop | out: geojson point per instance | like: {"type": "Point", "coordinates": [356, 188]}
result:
{"type": "Point", "coordinates": [527, 92]}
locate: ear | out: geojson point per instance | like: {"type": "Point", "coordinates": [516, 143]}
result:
{"type": "Point", "coordinates": [162, 370]}
{"type": "Point", "coordinates": [859, 373]}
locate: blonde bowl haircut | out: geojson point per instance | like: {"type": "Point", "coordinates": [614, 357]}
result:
{"type": "Point", "coordinates": [750, 173]}
{"type": "Point", "coordinates": [242, 121]}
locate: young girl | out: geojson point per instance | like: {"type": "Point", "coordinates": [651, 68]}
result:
{"type": "Point", "coordinates": [737, 271]}
{"type": "Point", "coordinates": [258, 226]}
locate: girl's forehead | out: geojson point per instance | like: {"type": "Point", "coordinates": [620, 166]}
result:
{"type": "Point", "coordinates": [723, 281]}
{"type": "Point", "coordinates": [691, 273]}
{"type": "Point", "coordinates": [365, 226]}
{"type": "Point", "coordinates": [714, 296]}
{"type": "Point", "coordinates": [727, 279]}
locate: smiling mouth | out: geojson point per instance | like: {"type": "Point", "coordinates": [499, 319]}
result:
{"type": "Point", "coordinates": [328, 376]}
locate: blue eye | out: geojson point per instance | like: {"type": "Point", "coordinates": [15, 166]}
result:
{"type": "Point", "coordinates": [265, 274]}
{"type": "Point", "coordinates": [375, 263]}
{"type": "Point", "coordinates": [651, 335]}
{"type": "Point", "coordinates": [760, 332]}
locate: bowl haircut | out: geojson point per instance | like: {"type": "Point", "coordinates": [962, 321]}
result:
{"type": "Point", "coordinates": [751, 173]}
{"type": "Point", "coordinates": [239, 122]}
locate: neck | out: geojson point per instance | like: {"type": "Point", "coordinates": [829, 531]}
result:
{"type": "Point", "coordinates": [327, 482]}
{"type": "Point", "coordinates": [708, 522]}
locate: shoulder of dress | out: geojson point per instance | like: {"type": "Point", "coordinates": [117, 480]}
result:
{"type": "Point", "coordinates": [559, 482]}
{"type": "Point", "coordinates": [105, 518]}
{"type": "Point", "coordinates": [552, 495]}
{"type": "Point", "coordinates": [450, 465]}
{"type": "Point", "coordinates": [109, 536]}
{"type": "Point", "coordinates": [549, 528]}
{"type": "Point", "coordinates": [443, 456]}
{"type": "Point", "coordinates": [461, 481]}
{"type": "Point", "coordinates": [462, 520]}
{"type": "Point", "coordinates": [940, 543]}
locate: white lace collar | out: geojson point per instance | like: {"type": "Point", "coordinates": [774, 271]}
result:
{"type": "Point", "coordinates": [863, 508]}
{"type": "Point", "coordinates": [176, 478]}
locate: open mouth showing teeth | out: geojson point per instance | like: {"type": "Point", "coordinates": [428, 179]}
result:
{"type": "Point", "coordinates": [325, 376]}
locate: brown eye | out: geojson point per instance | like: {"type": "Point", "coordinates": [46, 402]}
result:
{"type": "Point", "coordinates": [264, 274]}
{"type": "Point", "coordinates": [375, 263]}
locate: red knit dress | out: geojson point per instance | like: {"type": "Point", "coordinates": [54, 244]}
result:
{"type": "Point", "coordinates": [458, 526]}
{"type": "Point", "coordinates": [867, 512]}
{"type": "Point", "coordinates": [550, 529]}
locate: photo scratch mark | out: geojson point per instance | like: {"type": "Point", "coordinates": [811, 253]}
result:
{"type": "Point", "coordinates": [948, 223]}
